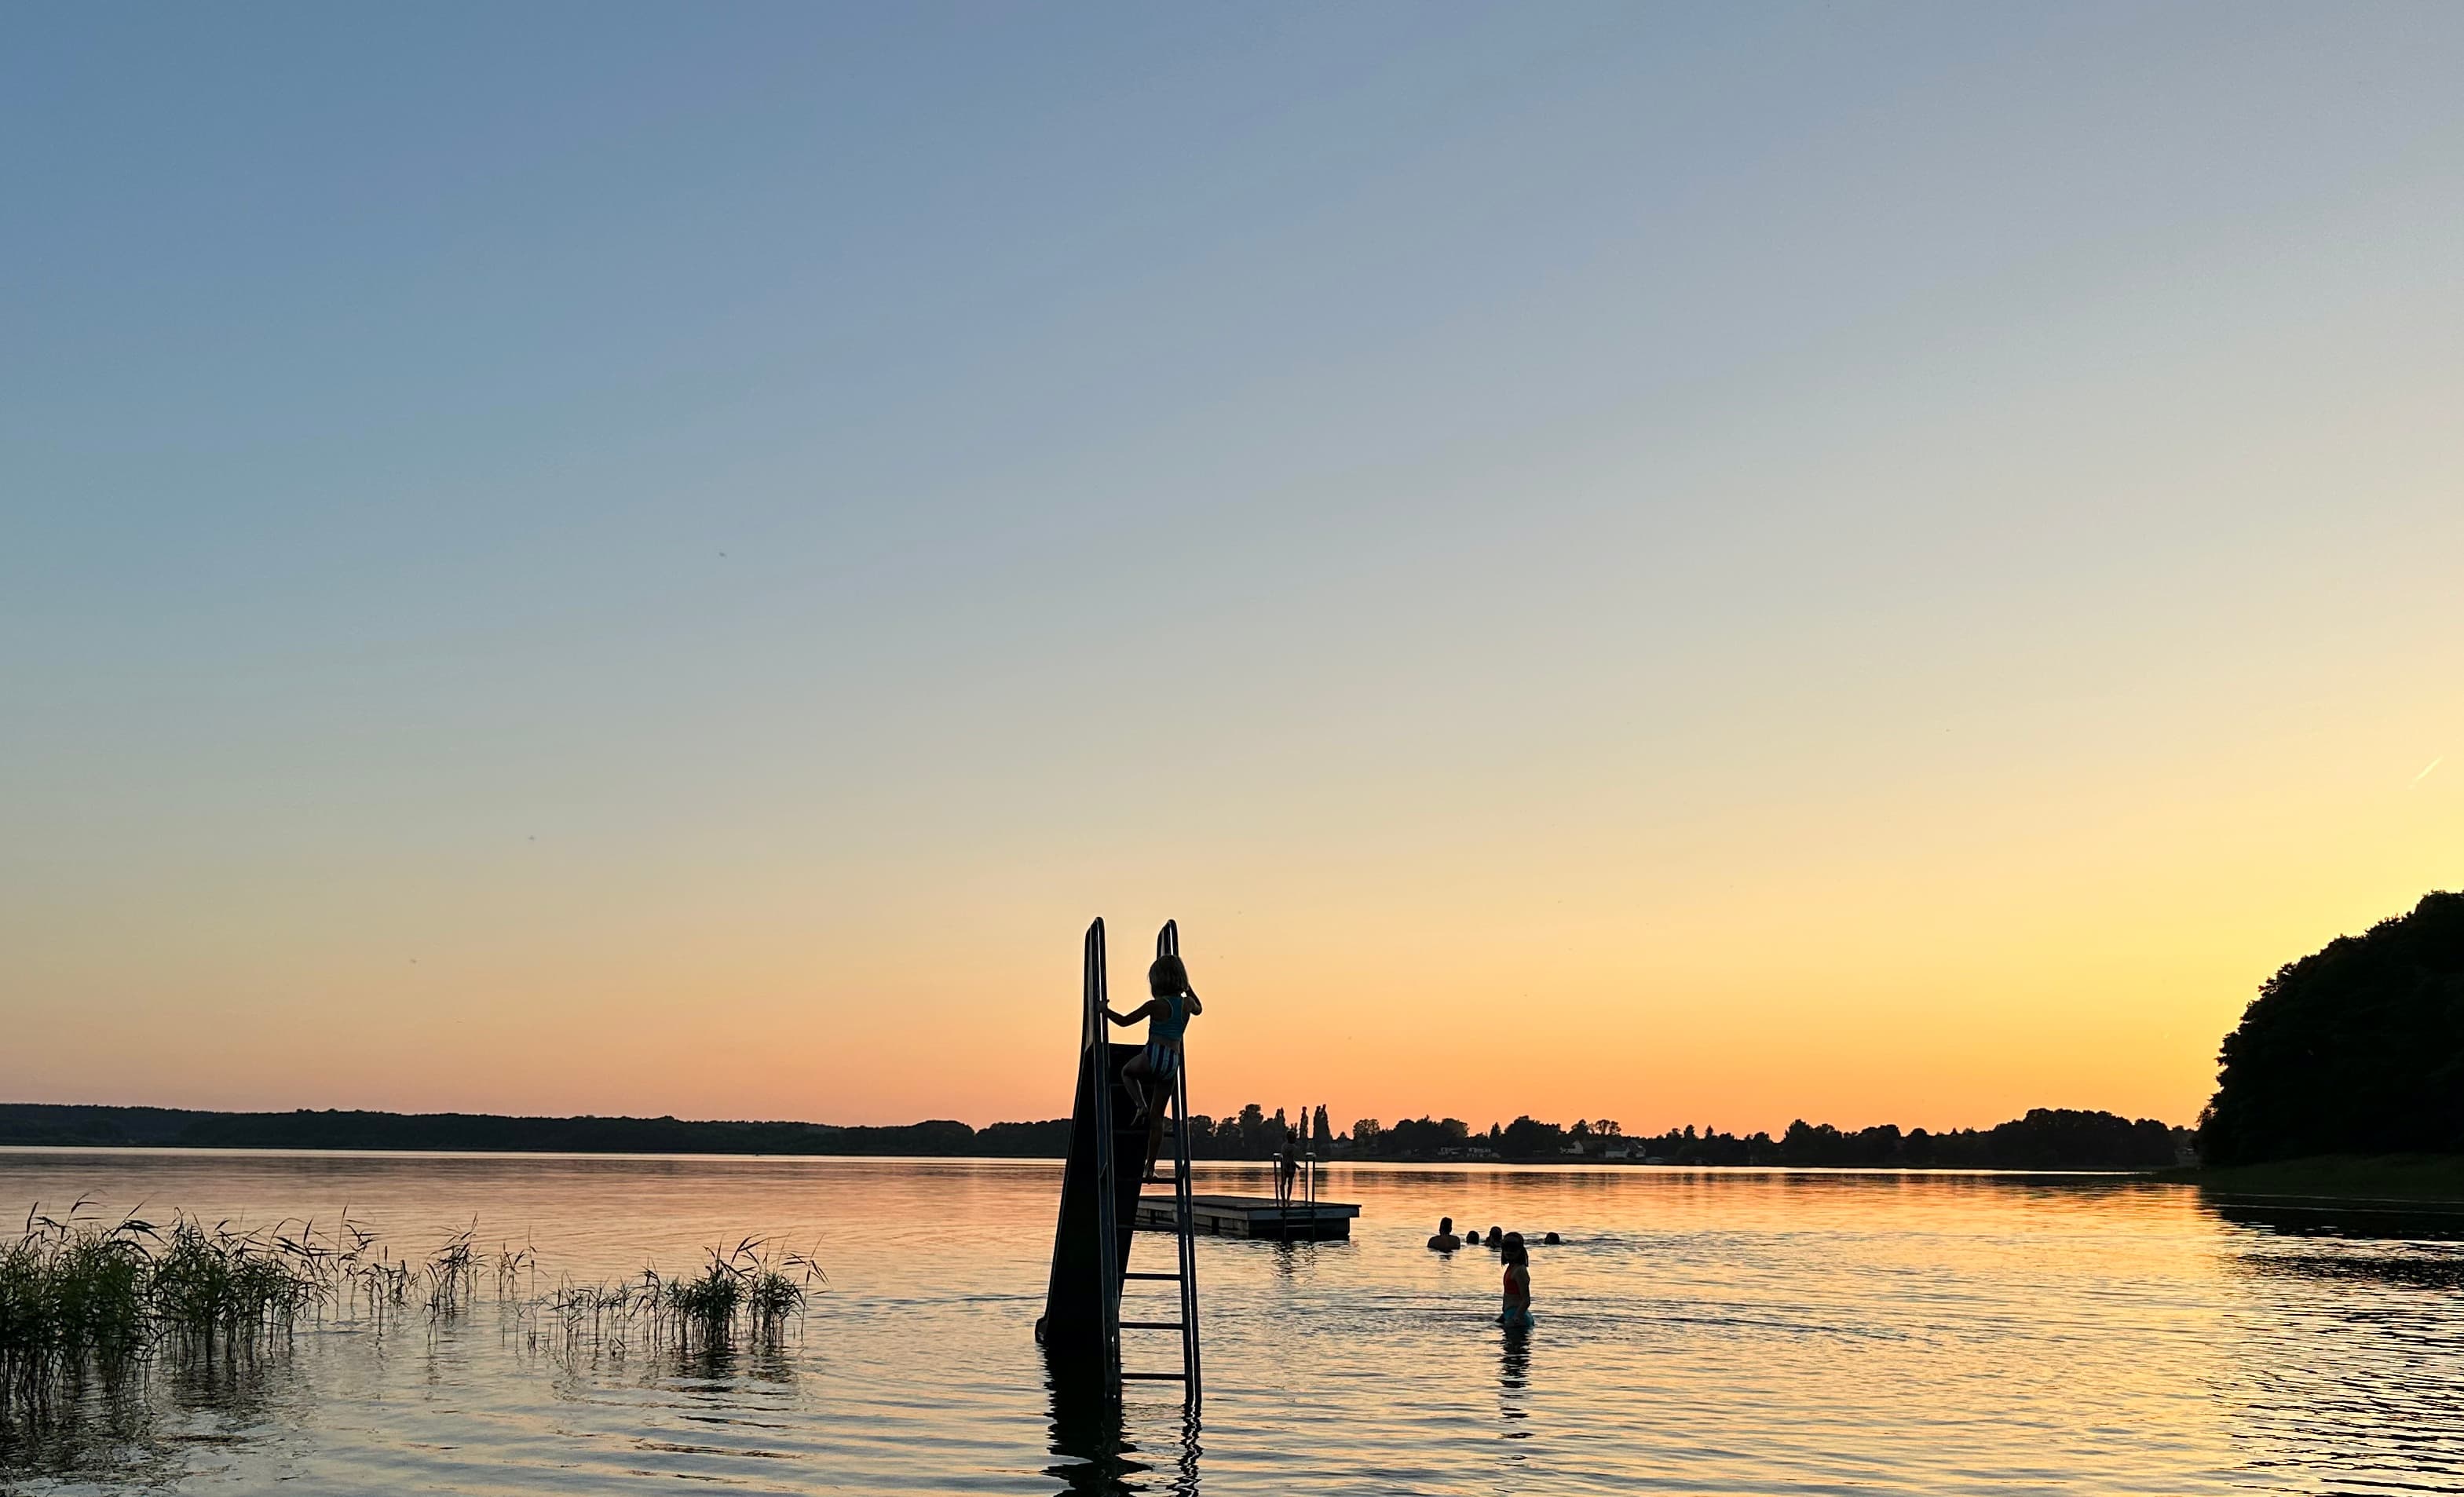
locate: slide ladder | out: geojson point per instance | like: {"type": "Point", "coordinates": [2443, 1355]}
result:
{"type": "Point", "coordinates": [1184, 1223]}
{"type": "Point", "coordinates": [1082, 1324]}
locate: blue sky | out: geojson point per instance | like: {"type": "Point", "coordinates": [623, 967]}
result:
{"type": "Point", "coordinates": [834, 475]}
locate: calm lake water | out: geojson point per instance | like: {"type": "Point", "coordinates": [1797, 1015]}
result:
{"type": "Point", "coordinates": [1698, 1333]}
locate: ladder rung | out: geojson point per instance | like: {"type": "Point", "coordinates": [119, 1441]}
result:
{"type": "Point", "coordinates": [1156, 1377]}
{"type": "Point", "coordinates": [1176, 1278]}
{"type": "Point", "coordinates": [1151, 1324]}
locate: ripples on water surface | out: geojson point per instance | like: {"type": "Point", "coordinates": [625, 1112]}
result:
{"type": "Point", "coordinates": [1713, 1333]}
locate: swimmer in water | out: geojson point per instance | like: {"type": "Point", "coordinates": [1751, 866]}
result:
{"type": "Point", "coordinates": [1517, 1313]}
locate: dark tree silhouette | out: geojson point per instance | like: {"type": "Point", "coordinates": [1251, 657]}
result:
{"type": "Point", "coordinates": [2063, 1138]}
{"type": "Point", "coordinates": [2356, 1049]}
{"type": "Point", "coordinates": [1425, 1137]}
{"type": "Point", "coordinates": [1528, 1139]}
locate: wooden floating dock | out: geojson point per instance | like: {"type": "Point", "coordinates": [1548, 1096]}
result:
{"type": "Point", "coordinates": [1252, 1216]}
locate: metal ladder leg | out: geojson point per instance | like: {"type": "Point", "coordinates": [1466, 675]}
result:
{"type": "Point", "coordinates": [1185, 1231]}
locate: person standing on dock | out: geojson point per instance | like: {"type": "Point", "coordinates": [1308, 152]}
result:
{"type": "Point", "coordinates": [1287, 1163]}
{"type": "Point", "coordinates": [1150, 1073]}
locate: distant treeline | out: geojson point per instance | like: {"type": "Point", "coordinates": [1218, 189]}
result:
{"type": "Point", "coordinates": [2045, 1139]}
{"type": "Point", "coordinates": [30, 1123]}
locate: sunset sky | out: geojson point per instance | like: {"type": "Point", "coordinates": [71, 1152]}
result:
{"type": "Point", "coordinates": [1690, 565]}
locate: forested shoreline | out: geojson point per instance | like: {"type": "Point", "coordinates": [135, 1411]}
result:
{"type": "Point", "coordinates": [2045, 1139]}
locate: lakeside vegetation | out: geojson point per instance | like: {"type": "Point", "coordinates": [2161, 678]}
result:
{"type": "Point", "coordinates": [89, 1304]}
{"type": "Point", "coordinates": [2355, 1049]}
{"type": "Point", "coordinates": [2345, 1075]}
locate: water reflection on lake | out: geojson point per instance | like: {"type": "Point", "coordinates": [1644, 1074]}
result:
{"type": "Point", "coordinates": [1714, 1333]}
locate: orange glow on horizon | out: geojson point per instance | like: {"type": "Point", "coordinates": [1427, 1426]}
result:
{"type": "Point", "coordinates": [1976, 961]}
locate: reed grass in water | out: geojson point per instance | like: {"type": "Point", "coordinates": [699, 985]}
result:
{"type": "Point", "coordinates": [749, 1294]}
{"type": "Point", "coordinates": [750, 1285]}
{"type": "Point", "coordinates": [83, 1300]}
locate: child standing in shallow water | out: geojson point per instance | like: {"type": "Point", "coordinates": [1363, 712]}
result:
{"type": "Point", "coordinates": [1517, 1315]}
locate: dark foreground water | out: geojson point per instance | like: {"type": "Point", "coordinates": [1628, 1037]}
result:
{"type": "Point", "coordinates": [1698, 1333]}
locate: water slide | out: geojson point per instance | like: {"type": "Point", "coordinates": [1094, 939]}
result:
{"type": "Point", "coordinates": [1107, 1158]}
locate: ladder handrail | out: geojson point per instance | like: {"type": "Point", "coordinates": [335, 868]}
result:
{"type": "Point", "coordinates": [1099, 1059]}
